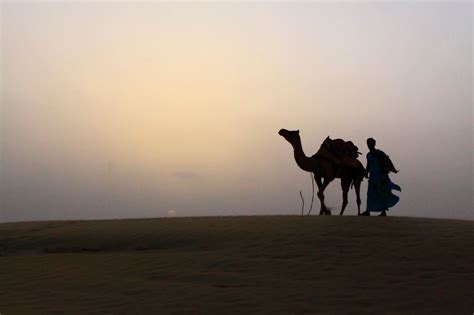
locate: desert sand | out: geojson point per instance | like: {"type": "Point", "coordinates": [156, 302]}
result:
{"type": "Point", "coordinates": [231, 265]}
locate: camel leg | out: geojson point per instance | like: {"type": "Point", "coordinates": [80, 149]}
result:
{"type": "Point", "coordinates": [321, 187]}
{"type": "Point", "coordinates": [357, 191]}
{"type": "Point", "coordinates": [345, 189]}
{"type": "Point", "coordinates": [319, 183]}
{"type": "Point", "coordinates": [325, 184]}
{"type": "Point", "coordinates": [320, 194]}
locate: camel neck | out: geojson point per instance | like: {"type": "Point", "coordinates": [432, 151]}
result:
{"type": "Point", "coordinates": [300, 157]}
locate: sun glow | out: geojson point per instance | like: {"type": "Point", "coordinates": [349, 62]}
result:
{"type": "Point", "coordinates": [177, 105]}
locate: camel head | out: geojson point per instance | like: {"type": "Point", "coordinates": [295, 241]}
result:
{"type": "Point", "coordinates": [292, 136]}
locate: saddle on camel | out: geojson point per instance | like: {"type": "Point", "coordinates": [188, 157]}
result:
{"type": "Point", "coordinates": [340, 153]}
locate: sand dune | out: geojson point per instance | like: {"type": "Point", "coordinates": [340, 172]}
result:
{"type": "Point", "coordinates": [222, 265]}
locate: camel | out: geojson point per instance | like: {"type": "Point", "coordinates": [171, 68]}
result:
{"type": "Point", "coordinates": [325, 171]}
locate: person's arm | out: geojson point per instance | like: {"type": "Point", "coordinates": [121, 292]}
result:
{"type": "Point", "coordinates": [368, 167]}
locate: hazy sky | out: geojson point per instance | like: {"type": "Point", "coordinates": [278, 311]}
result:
{"type": "Point", "coordinates": [114, 110]}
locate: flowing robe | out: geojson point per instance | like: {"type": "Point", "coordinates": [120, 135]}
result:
{"type": "Point", "coordinates": [379, 192]}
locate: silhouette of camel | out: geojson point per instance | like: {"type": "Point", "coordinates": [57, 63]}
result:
{"type": "Point", "coordinates": [324, 171]}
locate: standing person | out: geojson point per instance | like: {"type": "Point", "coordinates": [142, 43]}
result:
{"type": "Point", "coordinates": [379, 192]}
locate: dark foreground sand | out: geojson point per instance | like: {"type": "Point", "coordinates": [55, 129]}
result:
{"type": "Point", "coordinates": [268, 265]}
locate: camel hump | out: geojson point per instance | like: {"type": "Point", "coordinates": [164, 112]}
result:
{"type": "Point", "coordinates": [339, 151]}
{"type": "Point", "coordinates": [340, 147]}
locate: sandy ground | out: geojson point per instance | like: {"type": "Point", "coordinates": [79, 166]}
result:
{"type": "Point", "coordinates": [230, 265]}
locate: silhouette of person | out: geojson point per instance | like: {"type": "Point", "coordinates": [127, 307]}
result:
{"type": "Point", "coordinates": [379, 193]}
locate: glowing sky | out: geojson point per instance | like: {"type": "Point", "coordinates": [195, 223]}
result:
{"type": "Point", "coordinates": [145, 109]}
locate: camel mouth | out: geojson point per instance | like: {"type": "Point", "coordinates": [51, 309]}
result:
{"type": "Point", "coordinates": [281, 132]}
